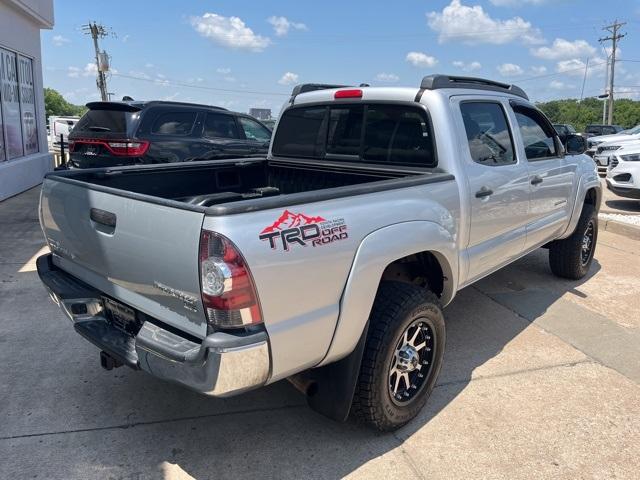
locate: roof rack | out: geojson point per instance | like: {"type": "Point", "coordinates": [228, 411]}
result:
{"type": "Point", "coordinates": [435, 82]}
{"type": "Point", "coordinates": [311, 87]}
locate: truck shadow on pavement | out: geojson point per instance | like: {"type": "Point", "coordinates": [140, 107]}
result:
{"type": "Point", "coordinates": [65, 417]}
{"type": "Point", "coordinates": [127, 425]}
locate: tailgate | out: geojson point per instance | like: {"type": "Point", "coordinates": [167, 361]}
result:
{"type": "Point", "coordinates": [148, 260]}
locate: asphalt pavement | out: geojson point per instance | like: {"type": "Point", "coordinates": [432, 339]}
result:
{"type": "Point", "coordinates": [540, 380]}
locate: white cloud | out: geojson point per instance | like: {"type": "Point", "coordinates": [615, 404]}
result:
{"type": "Point", "coordinates": [229, 32]}
{"type": "Point", "coordinates": [472, 25]}
{"type": "Point", "coordinates": [137, 74]}
{"type": "Point", "coordinates": [516, 3]}
{"type": "Point", "coordinates": [59, 40]}
{"type": "Point", "coordinates": [73, 72]}
{"type": "Point", "coordinates": [562, 49]}
{"type": "Point", "coordinates": [149, 65]}
{"type": "Point", "coordinates": [224, 71]}
{"type": "Point", "coordinates": [539, 70]}
{"type": "Point", "coordinates": [419, 59]}
{"type": "Point", "coordinates": [90, 69]}
{"type": "Point", "coordinates": [161, 80]}
{"type": "Point", "coordinates": [282, 25]}
{"type": "Point", "coordinates": [467, 67]}
{"type": "Point", "coordinates": [126, 38]}
{"type": "Point", "coordinates": [229, 78]}
{"type": "Point", "coordinates": [288, 78]}
{"type": "Point", "coordinates": [387, 77]}
{"type": "Point", "coordinates": [510, 70]}
{"type": "Point", "coordinates": [558, 85]}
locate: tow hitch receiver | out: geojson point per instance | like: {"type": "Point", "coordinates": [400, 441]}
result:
{"type": "Point", "coordinates": [108, 362]}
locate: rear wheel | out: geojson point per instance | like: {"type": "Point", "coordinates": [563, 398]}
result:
{"type": "Point", "coordinates": [402, 357]}
{"type": "Point", "coordinates": [572, 257]}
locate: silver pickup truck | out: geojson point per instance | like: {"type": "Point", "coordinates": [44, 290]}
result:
{"type": "Point", "coordinates": [329, 261]}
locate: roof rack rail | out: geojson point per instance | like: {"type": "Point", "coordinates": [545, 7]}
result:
{"type": "Point", "coordinates": [312, 87]}
{"type": "Point", "coordinates": [435, 82]}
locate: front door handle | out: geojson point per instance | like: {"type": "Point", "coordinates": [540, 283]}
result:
{"type": "Point", "coordinates": [536, 180]}
{"type": "Point", "coordinates": [484, 192]}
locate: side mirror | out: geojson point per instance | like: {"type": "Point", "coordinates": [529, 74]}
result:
{"type": "Point", "coordinates": [576, 144]}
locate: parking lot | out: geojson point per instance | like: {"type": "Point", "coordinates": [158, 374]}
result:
{"type": "Point", "coordinates": [540, 380]}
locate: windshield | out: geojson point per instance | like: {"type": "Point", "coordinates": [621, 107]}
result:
{"type": "Point", "coordinates": [632, 131]}
{"type": "Point", "coordinates": [373, 133]}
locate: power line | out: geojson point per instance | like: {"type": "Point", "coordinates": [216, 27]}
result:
{"type": "Point", "coordinates": [164, 81]}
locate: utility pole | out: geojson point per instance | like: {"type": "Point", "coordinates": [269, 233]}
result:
{"type": "Point", "coordinates": [102, 59]}
{"type": "Point", "coordinates": [613, 29]}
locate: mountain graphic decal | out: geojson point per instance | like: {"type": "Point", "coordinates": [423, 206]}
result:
{"type": "Point", "coordinates": [289, 220]}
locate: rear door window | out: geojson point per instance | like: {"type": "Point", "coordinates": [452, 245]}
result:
{"type": "Point", "coordinates": [221, 125]}
{"type": "Point", "coordinates": [488, 133]}
{"type": "Point", "coordinates": [174, 123]}
{"type": "Point", "coordinates": [373, 133]}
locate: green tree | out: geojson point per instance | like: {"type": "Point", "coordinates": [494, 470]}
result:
{"type": "Point", "coordinates": [55, 104]}
{"type": "Point", "coordinates": [626, 112]}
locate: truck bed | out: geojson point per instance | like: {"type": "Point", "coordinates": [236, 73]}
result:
{"type": "Point", "coordinates": [239, 185]}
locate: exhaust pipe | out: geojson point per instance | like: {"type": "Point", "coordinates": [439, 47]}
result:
{"type": "Point", "coordinates": [108, 362]}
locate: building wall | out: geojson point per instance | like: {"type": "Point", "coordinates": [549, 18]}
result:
{"type": "Point", "coordinates": [20, 24]}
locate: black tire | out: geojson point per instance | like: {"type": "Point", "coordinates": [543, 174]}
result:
{"type": "Point", "coordinates": [398, 307]}
{"type": "Point", "coordinates": [571, 258]}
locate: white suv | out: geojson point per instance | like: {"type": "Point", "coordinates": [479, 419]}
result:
{"type": "Point", "coordinates": [623, 174]}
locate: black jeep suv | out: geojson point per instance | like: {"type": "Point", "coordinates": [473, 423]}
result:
{"type": "Point", "coordinates": [127, 133]}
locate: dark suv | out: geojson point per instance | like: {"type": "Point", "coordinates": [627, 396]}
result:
{"type": "Point", "coordinates": [127, 133]}
{"type": "Point", "coordinates": [595, 130]}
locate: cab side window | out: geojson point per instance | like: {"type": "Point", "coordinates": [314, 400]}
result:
{"type": "Point", "coordinates": [488, 133]}
{"type": "Point", "coordinates": [537, 135]}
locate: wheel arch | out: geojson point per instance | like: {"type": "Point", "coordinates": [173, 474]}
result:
{"type": "Point", "coordinates": [394, 252]}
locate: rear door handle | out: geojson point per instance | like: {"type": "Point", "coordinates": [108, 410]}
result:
{"type": "Point", "coordinates": [536, 180]}
{"type": "Point", "coordinates": [484, 192]}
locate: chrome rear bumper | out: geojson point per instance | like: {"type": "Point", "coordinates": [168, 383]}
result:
{"type": "Point", "coordinates": [222, 365]}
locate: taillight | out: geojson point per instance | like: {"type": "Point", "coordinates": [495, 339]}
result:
{"type": "Point", "coordinates": [228, 292]}
{"type": "Point", "coordinates": [71, 145]}
{"type": "Point", "coordinates": [128, 149]}
{"type": "Point", "coordinates": [354, 93]}
{"type": "Point", "coordinates": [120, 148]}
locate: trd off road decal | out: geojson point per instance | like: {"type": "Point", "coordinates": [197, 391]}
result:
{"type": "Point", "coordinates": [296, 228]}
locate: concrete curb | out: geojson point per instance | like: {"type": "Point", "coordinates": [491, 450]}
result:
{"type": "Point", "coordinates": [625, 229]}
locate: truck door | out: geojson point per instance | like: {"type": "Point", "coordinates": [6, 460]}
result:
{"type": "Point", "coordinates": [551, 176]}
{"type": "Point", "coordinates": [498, 184]}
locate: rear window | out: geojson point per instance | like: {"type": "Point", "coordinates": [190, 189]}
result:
{"type": "Point", "coordinates": [374, 133]}
{"type": "Point", "coordinates": [111, 121]}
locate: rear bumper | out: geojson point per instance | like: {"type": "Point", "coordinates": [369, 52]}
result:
{"type": "Point", "coordinates": [221, 365]}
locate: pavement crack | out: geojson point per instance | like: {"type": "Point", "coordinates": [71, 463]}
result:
{"type": "Point", "coordinates": [517, 372]}
{"type": "Point", "coordinates": [153, 422]}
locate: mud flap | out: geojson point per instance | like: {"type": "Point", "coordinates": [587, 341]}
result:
{"type": "Point", "coordinates": [332, 386]}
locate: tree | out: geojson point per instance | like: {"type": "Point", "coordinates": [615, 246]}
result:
{"type": "Point", "coordinates": [55, 104]}
{"type": "Point", "coordinates": [581, 113]}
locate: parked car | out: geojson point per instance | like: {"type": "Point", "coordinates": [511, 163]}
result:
{"type": "Point", "coordinates": [328, 261]}
{"type": "Point", "coordinates": [611, 141]}
{"type": "Point", "coordinates": [60, 126]}
{"type": "Point", "coordinates": [110, 134]}
{"type": "Point", "coordinates": [564, 130]}
{"type": "Point", "coordinates": [623, 174]}
{"type": "Point", "coordinates": [597, 130]}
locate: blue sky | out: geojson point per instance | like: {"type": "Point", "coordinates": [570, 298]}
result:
{"type": "Point", "coordinates": [242, 54]}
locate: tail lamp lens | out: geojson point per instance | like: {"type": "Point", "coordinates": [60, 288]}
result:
{"type": "Point", "coordinates": [228, 292]}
